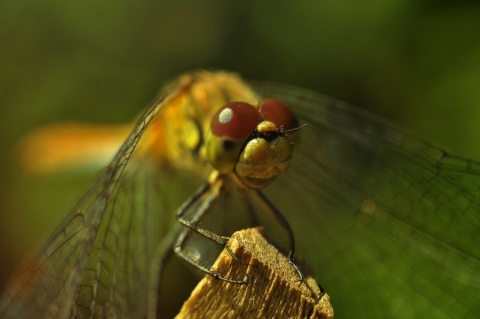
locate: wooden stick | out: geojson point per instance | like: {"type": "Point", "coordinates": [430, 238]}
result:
{"type": "Point", "coordinates": [273, 289]}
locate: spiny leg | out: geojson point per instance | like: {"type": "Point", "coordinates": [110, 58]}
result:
{"type": "Point", "coordinates": [198, 206]}
{"type": "Point", "coordinates": [282, 221]}
{"type": "Point", "coordinates": [186, 257]}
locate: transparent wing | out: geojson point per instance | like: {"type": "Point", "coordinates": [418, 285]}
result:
{"type": "Point", "coordinates": [389, 222]}
{"type": "Point", "coordinates": [98, 262]}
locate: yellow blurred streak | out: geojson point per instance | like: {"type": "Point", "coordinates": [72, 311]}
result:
{"type": "Point", "coordinates": [65, 146]}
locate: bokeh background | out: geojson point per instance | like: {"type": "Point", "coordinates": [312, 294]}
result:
{"type": "Point", "coordinates": [414, 62]}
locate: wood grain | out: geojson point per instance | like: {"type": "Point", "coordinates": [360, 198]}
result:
{"type": "Point", "coordinates": [273, 289]}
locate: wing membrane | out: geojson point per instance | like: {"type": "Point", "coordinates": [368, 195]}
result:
{"type": "Point", "coordinates": [390, 222]}
{"type": "Point", "coordinates": [97, 263]}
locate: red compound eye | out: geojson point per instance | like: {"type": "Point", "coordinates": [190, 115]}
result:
{"type": "Point", "coordinates": [278, 113]}
{"type": "Point", "coordinates": [236, 121]}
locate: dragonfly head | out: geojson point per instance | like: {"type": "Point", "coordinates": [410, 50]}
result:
{"type": "Point", "coordinates": [254, 143]}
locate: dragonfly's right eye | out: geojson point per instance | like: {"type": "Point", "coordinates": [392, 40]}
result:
{"type": "Point", "coordinates": [231, 126]}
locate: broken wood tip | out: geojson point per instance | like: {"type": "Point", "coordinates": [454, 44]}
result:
{"type": "Point", "coordinates": [273, 289]}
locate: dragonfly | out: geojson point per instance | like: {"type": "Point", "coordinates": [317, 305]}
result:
{"type": "Point", "coordinates": [389, 222]}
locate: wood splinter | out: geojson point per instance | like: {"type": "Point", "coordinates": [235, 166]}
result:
{"type": "Point", "coordinates": [272, 291]}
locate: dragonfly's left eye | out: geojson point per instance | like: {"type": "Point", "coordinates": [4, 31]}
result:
{"type": "Point", "coordinates": [278, 113]}
{"type": "Point", "coordinates": [231, 126]}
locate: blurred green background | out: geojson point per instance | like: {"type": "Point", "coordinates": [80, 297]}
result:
{"type": "Point", "coordinates": [414, 62]}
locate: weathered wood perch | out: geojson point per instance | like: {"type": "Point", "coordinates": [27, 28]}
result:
{"type": "Point", "coordinates": [273, 289]}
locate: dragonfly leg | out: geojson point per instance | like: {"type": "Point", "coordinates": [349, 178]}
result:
{"type": "Point", "coordinates": [282, 221]}
{"type": "Point", "coordinates": [179, 250]}
{"type": "Point", "coordinates": [196, 207]}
